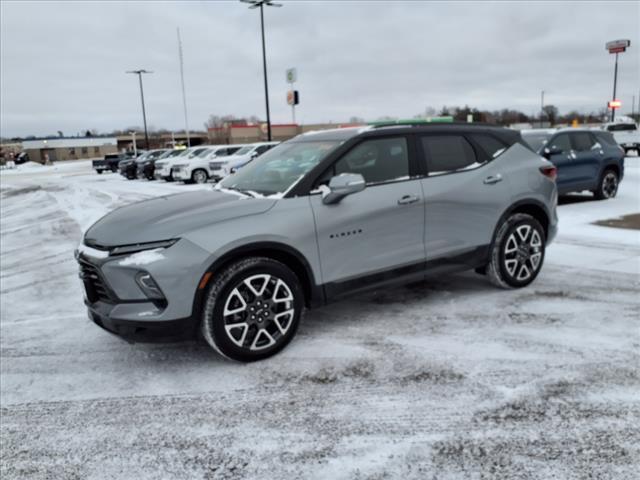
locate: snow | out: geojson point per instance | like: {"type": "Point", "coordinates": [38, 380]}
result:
{"type": "Point", "coordinates": [446, 379]}
{"type": "Point", "coordinates": [143, 258]}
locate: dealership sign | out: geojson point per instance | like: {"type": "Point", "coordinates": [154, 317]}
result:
{"type": "Point", "coordinates": [614, 104]}
{"type": "Point", "coordinates": [618, 46]}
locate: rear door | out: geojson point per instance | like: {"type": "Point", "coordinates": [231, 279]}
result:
{"type": "Point", "coordinates": [588, 156]}
{"type": "Point", "coordinates": [465, 193]}
{"type": "Point", "coordinates": [376, 234]}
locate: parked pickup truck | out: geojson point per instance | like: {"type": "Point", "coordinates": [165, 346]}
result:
{"type": "Point", "coordinates": [626, 135]}
{"type": "Point", "coordinates": [110, 162]}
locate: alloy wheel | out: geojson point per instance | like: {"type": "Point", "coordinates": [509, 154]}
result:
{"type": "Point", "coordinates": [199, 176]}
{"type": "Point", "coordinates": [609, 185]}
{"type": "Point", "coordinates": [258, 312]}
{"type": "Point", "coordinates": [523, 252]}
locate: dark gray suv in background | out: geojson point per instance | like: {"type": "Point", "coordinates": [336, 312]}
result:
{"type": "Point", "coordinates": [322, 216]}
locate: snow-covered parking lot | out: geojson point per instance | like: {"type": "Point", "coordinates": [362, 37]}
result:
{"type": "Point", "coordinates": [454, 379]}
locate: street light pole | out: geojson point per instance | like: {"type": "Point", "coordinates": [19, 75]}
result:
{"type": "Point", "coordinates": [144, 114]}
{"type": "Point", "coordinates": [261, 4]}
{"type": "Point", "coordinates": [541, 106]}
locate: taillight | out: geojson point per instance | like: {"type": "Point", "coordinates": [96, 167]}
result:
{"type": "Point", "coordinates": [550, 172]}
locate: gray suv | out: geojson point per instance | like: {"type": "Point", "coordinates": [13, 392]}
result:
{"type": "Point", "coordinates": [322, 216]}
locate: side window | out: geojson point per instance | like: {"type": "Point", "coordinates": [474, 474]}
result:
{"type": "Point", "coordinates": [380, 160]}
{"type": "Point", "coordinates": [561, 142]}
{"type": "Point", "coordinates": [262, 148]}
{"type": "Point", "coordinates": [491, 146]}
{"type": "Point", "coordinates": [582, 141]}
{"type": "Point", "coordinates": [448, 153]}
{"type": "Point", "coordinates": [606, 138]}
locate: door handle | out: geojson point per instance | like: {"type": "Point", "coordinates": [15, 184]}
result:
{"type": "Point", "coordinates": [493, 179]}
{"type": "Point", "coordinates": [408, 199]}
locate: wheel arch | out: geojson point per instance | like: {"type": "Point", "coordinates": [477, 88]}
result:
{"type": "Point", "coordinates": [530, 206]}
{"type": "Point", "coordinates": [292, 258]}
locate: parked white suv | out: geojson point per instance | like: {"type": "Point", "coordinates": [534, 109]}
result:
{"type": "Point", "coordinates": [221, 167]}
{"type": "Point", "coordinates": [164, 168]}
{"type": "Point", "coordinates": [626, 134]}
{"type": "Point", "coordinates": [196, 170]}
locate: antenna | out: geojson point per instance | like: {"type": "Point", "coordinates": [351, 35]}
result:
{"type": "Point", "coordinates": [184, 95]}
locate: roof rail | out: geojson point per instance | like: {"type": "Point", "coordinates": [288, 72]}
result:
{"type": "Point", "coordinates": [419, 123]}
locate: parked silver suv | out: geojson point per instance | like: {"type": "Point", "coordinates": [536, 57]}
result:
{"type": "Point", "coordinates": [317, 218]}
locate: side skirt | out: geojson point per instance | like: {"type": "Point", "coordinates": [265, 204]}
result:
{"type": "Point", "coordinates": [466, 260]}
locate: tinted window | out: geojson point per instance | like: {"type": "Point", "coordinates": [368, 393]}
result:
{"type": "Point", "coordinates": [378, 161]}
{"type": "Point", "coordinates": [262, 148]}
{"type": "Point", "coordinates": [605, 138]}
{"type": "Point", "coordinates": [448, 153]}
{"type": "Point", "coordinates": [582, 141]}
{"type": "Point", "coordinates": [491, 146]}
{"type": "Point", "coordinates": [621, 127]}
{"type": "Point", "coordinates": [536, 140]}
{"type": "Point", "coordinates": [561, 142]}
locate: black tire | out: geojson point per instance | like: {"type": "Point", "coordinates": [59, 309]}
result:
{"type": "Point", "coordinates": [114, 169]}
{"type": "Point", "coordinates": [529, 252]}
{"type": "Point", "coordinates": [237, 343]}
{"type": "Point", "coordinates": [199, 176]}
{"type": "Point", "coordinates": [607, 185]}
{"type": "Point", "coordinates": [99, 172]}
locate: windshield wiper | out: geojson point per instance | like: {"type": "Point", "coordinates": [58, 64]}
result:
{"type": "Point", "coordinates": [251, 193]}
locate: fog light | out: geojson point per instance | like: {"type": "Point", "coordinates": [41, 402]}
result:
{"type": "Point", "coordinates": [149, 286]}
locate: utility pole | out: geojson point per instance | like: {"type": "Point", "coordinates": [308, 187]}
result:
{"type": "Point", "coordinates": [184, 95]}
{"type": "Point", "coordinates": [140, 72]}
{"type": "Point", "coordinates": [261, 4]}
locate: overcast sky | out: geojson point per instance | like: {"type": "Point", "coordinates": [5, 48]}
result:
{"type": "Point", "coordinates": [63, 63]}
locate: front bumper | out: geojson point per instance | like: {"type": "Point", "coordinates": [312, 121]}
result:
{"type": "Point", "coordinates": [117, 303]}
{"type": "Point", "coordinates": [181, 173]}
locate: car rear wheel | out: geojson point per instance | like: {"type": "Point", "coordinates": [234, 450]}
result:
{"type": "Point", "coordinates": [608, 186]}
{"type": "Point", "coordinates": [252, 309]}
{"type": "Point", "coordinates": [99, 172]}
{"type": "Point", "coordinates": [517, 253]}
{"type": "Point", "coordinates": [199, 176]}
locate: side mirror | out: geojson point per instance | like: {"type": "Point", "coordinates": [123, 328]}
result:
{"type": "Point", "coordinates": [342, 185]}
{"type": "Point", "coordinates": [254, 154]}
{"type": "Point", "coordinates": [549, 151]}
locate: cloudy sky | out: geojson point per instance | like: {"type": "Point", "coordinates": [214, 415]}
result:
{"type": "Point", "coordinates": [63, 63]}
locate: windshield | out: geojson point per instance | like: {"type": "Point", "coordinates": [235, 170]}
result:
{"type": "Point", "coordinates": [170, 153]}
{"type": "Point", "coordinates": [277, 170]}
{"type": "Point", "coordinates": [245, 150]}
{"type": "Point", "coordinates": [536, 140]}
{"type": "Point", "coordinates": [156, 154]}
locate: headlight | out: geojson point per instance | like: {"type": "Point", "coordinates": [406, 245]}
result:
{"type": "Point", "coordinates": [140, 247]}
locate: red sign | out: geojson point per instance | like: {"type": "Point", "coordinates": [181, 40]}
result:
{"type": "Point", "coordinates": [614, 104]}
{"type": "Point", "coordinates": [617, 46]}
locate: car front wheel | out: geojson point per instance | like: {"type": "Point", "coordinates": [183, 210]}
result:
{"type": "Point", "coordinates": [199, 176]}
{"type": "Point", "coordinates": [252, 309]}
{"type": "Point", "coordinates": [517, 253]}
{"type": "Point", "coordinates": [608, 186]}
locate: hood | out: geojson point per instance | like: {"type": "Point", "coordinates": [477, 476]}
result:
{"type": "Point", "coordinates": [171, 216]}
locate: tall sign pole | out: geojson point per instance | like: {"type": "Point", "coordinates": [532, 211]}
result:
{"type": "Point", "coordinates": [617, 47]}
{"type": "Point", "coordinates": [184, 95]}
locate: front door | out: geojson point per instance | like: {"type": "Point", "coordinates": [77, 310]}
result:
{"type": "Point", "coordinates": [376, 234]}
{"type": "Point", "coordinates": [587, 158]}
{"type": "Point", "coordinates": [563, 159]}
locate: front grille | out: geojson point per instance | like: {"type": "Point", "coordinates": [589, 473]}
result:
{"type": "Point", "coordinates": [216, 165]}
{"type": "Point", "coordinates": [94, 284]}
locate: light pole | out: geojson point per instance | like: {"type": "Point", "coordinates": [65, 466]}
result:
{"type": "Point", "coordinates": [541, 106]}
{"type": "Point", "coordinates": [144, 115]}
{"type": "Point", "coordinates": [261, 4]}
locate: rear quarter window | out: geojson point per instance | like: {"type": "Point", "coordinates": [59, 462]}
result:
{"type": "Point", "coordinates": [490, 146]}
{"type": "Point", "coordinates": [448, 154]}
{"type": "Point", "coordinates": [605, 138]}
